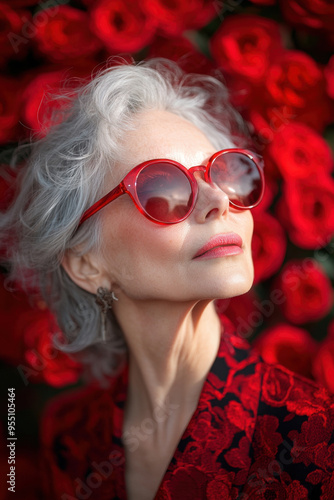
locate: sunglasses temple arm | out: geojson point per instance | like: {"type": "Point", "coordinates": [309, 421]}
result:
{"type": "Point", "coordinates": [108, 198]}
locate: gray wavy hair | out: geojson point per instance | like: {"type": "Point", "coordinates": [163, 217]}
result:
{"type": "Point", "coordinates": [65, 174]}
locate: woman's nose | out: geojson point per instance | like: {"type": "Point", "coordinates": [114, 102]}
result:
{"type": "Point", "coordinates": [211, 202]}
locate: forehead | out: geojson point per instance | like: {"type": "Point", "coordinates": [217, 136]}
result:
{"type": "Point", "coordinates": [162, 134]}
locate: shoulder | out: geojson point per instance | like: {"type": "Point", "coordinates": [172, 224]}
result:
{"type": "Point", "coordinates": [278, 387]}
{"type": "Point", "coordinates": [74, 409]}
{"type": "Point", "coordinates": [301, 396]}
{"type": "Point", "coordinates": [293, 441]}
{"type": "Point", "coordinates": [77, 430]}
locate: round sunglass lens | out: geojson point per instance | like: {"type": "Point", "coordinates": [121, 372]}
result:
{"type": "Point", "coordinates": [164, 192]}
{"type": "Point", "coordinates": [238, 176]}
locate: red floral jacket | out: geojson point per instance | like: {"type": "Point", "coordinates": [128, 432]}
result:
{"type": "Point", "coordinates": [259, 432]}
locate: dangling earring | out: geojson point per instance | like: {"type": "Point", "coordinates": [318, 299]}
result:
{"type": "Point", "coordinates": [104, 299]}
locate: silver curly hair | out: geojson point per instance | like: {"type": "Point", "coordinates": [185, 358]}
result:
{"type": "Point", "coordinates": [65, 174]}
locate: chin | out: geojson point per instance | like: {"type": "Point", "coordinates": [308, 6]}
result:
{"type": "Point", "coordinates": [235, 285]}
{"type": "Point", "coordinates": [240, 290]}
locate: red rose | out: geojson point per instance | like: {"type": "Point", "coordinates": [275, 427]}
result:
{"type": "Point", "coordinates": [179, 15]}
{"type": "Point", "coordinates": [187, 480]}
{"type": "Point", "coordinates": [295, 89]}
{"type": "Point", "coordinates": [183, 52]}
{"type": "Point", "coordinates": [217, 443]}
{"type": "Point", "coordinates": [323, 365]}
{"type": "Point", "coordinates": [220, 486]}
{"type": "Point", "coordinates": [316, 14]}
{"type": "Point", "coordinates": [236, 414]}
{"type": "Point", "coordinates": [63, 33]}
{"type": "Point", "coordinates": [202, 431]}
{"type": "Point", "coordinates": [122, 25]}
{"type": "Point", "coordinates": [45, 362]}
{"type": "Point", "coordinates": [244, 312]}
{"type": "Point", "coordinates": [9, 109]}
{"type": "Point", "coordinates": [268, 246]}
{"type": "Point", "coordinates": [11, 24]}
{"type": "Point", "coordinates": [297, 81]}
{"type": "Point", "coordinates": [308, 291]}
{"type": "Point", "coordinates": [27, 342]}
{"type": "Point", "coordinates": [306, 209]}
{"type": "Point", "coordinates": [307, 398]}
{"type": "Point", "coordinates": [289, 346]}
{"type": "Point", "coordinates": [299, 152]}
{"type": "Point", "coordinates": [36, 111]}
{"type": "Point", "coordinates": [311, 445]}
{"type": "Point", "coordinates": [38, 107]}
{"type": "Point", "coordinates": [244, 45]}
{"type": "Point", "coordinates": [277, 386]}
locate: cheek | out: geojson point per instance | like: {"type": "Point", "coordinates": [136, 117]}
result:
{"type": "Point", "coordinates": [248, 232]}
{"type": "Point", "coordinates": [250, 228]}
{"type": "Point", "coordinates": [136, 250]}
{"type": "Point", "coordinates": [249, 235]}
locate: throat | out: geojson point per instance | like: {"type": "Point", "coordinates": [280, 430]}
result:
{"type": "Point", "coordinates": [150, 447]}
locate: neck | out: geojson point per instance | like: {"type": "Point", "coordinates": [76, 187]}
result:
{"type": "Point", "coordinates": [171, 349]}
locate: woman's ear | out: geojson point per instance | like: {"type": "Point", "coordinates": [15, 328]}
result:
{"type": "Point", "coordinates": [84, 270]}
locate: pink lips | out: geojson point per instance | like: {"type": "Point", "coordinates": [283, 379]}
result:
{"type": "Point", "coordinates": [221, 245]}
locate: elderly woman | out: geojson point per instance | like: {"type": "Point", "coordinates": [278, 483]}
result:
{"type": "Point", "coordinates": [134, 215]}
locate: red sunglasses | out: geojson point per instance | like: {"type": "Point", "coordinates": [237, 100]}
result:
{"type": "Point", "coordinates": [166, 192]}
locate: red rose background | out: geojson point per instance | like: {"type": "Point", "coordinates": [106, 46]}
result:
{"type": "Point", "coordinates": [65, 34]}
{"type": "Point", "coordinates": [276, 57]}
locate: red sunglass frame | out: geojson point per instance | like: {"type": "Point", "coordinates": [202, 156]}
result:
{"type": "Point", "coordinates": [128, 185]}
